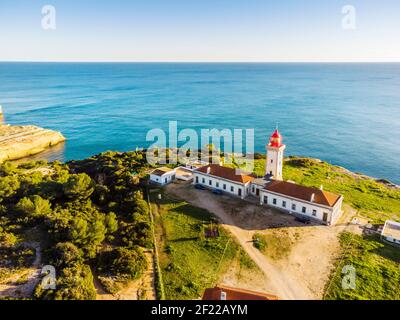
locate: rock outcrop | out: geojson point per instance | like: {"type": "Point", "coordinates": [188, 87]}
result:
{"type": "Point", "coordinates": [22, 141]}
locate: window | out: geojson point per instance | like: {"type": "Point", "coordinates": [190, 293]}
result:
{"type": "Point", "coordinates": [303, 209]}
{"type": "Point", "coordinates": [293, 206]}
{"type": "Point", "coordinates": [253, 189]}
{"type": "Point", "coordinates": [274, 201]}
{"type": "Point", "coordinates": [240, 192]}
{"type": "Point", "coordinates": [284, 204]}
{"type": "Point", "coordinates": [166, 180]}
{"type": "Point", "coordinates": [270, 173]}
{"type": "Point", "coordinates": [232, 189]}
{"type": "Point", "coordinates": [204, 180]}
{"type": "Point", "coordinates": [217, 184]}
{"type": "Point", "coordinates": [197, 179]}
{"type": "Point", "coordinates": [265, 199]}
{"type": "Point", "coordinates": [314, 213]}
{"type": "Point", "coordinates": [272, 160]}
{"type": "Point", "coordinates": [224, 186]}
{"type": "Point", "coordinates": [210, 182]}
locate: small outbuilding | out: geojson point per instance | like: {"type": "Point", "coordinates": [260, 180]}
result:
{"type": "Point", "coordinates": [163, 175]}
{"type": "Point", "coordinates": [391, 232]}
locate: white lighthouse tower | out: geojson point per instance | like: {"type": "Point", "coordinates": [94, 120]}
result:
{"type": "Point", "coordinates": [274, 160]}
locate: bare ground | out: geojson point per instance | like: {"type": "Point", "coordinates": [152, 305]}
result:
{"type": "Point", "coordinates": [12, 289]}
{"type": "Point", "coordinates": [297, 268]}
{"type": "Point", "coordinates": [141, 289]}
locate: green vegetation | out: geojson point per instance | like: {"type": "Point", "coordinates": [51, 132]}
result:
{"type": "Point", "coordinates": [275, 244]}
{"type": "Point", "coordinates": [75, 210]}
{"type": "Point", "coordinates": [374, 200]}
{"type": "Point", "coordinates": [259, 242]}
{"type": "Point", "coordinates": [189, 261]}
{"type": "Point", "coordinates": [91, 215]}
{"type": "Point", "coordinates": [118, 266]}
{"type": "Point", "coordinates": [376, 267]}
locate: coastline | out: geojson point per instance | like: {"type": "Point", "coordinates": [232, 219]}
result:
{"type": "Point", "coordinates": [17, 142]}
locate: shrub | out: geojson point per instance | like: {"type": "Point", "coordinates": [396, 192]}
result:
{"type": "Point", "coordinates": [65, 254]}
{"type": "Point", "coordinates": [259, 242]}
{"type": "Point", "coordinates": [79, 186]}
{"type": "Point", "coordinates": [123, 263]}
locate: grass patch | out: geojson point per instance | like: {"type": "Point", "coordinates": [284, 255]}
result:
{"type": "Point", "coordinates": [189, 262]}
{"type": "Point", "coordinates": [245, 261]}
{"type": "Point", "coordinates": [377, 266]}
{"type": "Point", "coordinates": [275, 244]}
{"type": "Point", "coordinates": [279, 244]}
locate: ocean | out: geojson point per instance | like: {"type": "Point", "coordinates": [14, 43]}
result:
{"type": "Point", "coordinates": [346, 114]}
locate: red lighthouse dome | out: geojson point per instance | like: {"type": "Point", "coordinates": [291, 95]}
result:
{"type": "Point", "coordinates": [276, 139]}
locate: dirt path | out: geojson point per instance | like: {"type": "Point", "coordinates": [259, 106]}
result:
{"type": "Point", "coordinates": [32, 276]}
{"type": "Point", "coordinates": [142, 289]}
{"type": "Point", "coordinates": [304, 273]}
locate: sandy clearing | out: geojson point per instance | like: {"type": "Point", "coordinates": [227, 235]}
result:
{"type": "Point", "coordinates": [32, 275]}
{"type": "Point", "coordinates": [141, 289]}
{"type": "Point", "coordinates": [303, 273]}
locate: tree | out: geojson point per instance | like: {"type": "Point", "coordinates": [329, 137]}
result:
{"type": "Point", "coordinates": [8, 186]}
{"type": "Point", "coordinates": [73, 283]}
{"type": "Point", "coordinates": [111, 224]}
{"type": "Point", "coordinates": [65, 254]}
{"type": "Point", "coordinates": [8, 168]}
{"type": "Point", "coordinates": [124, 263]}
{"type": "Point", "coordinates": [87, 235]}
{"type": "Point", "coordinates": [34, 207]}
{"type": "Point", "coordinates": [79, 186]}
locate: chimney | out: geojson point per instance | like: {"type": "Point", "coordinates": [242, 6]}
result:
{"type": "Point", "coordinates": [321, 187]}
{"type": "Point", "coordinates": [208, 170]}
{"type": "Point", "coordinates": [312, 197]}
{"type": "Point", "coordinates": [223, 295]}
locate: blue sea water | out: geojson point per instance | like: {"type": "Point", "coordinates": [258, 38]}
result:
{"type": "Point", "coordinates": [346, 114]}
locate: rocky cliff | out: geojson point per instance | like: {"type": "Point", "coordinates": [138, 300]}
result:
{"type": "Point", "coordinates": [22, 141]}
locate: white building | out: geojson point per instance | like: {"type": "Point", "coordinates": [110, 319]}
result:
{"type": "Point", "coordinates": [184, 174]}
{"type": "Point", "coordinates": [163, 175]}
{"type": "Point", "coordinates": [391, 231]}
{"type": "Point", "coordinates": [225, 179]}
{"type": "Point", "coordinates": [311, 203]}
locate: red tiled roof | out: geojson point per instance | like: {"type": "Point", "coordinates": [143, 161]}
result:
{"type": "Point", "coordinates": [227, 173]}
{"type": "Point", "coordinates": [235, 294]}
{"type": "Point", "coordinates": [304, 193]}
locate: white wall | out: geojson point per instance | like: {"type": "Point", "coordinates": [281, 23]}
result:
{"type": "Point", "coordinates": [318, 214]}
{"type": "Point", "coordinates": [164, 179]}
{"type": "Point", "coordinates": [274, 161]}
{"type": "Point", "coordinates": [391, 239]}
{"type": "Point", "coordinates": [255, 187]}
{"type": "Point", "coordinates": [218, 183]}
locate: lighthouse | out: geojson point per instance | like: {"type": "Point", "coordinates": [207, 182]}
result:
{"type": "Point", "coordinates": [274, 159]}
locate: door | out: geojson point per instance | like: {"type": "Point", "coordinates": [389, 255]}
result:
{"type": "Point", "coordinates": [240, 192]}
{"type": "Point", "coordinates": [258, 192]}
{"type": "Point", "coordinates": [325, 218]}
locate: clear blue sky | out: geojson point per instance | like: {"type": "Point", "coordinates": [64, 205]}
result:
{"type": "Point", "coordinates": [201, 30]}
